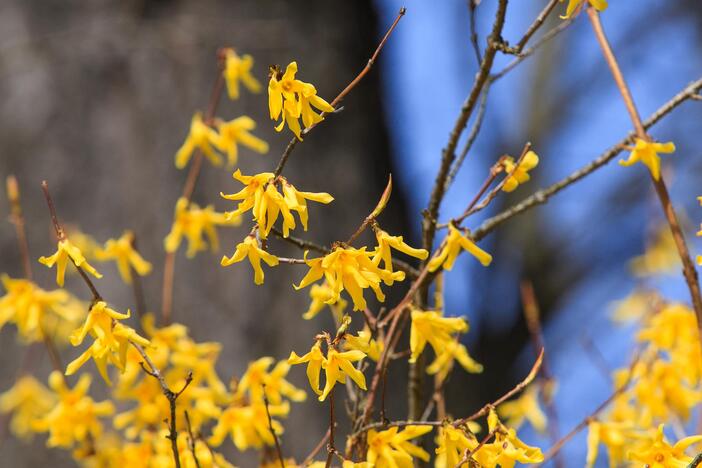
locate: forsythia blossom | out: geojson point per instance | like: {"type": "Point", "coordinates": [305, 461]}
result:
{"type": "Point", "coordinates": [35, 311]}
{"type": "Point", "coordinates": [646, 153]}
{"type": "Point", "coordinates": [455, 241]}
{"type": "Point", "coordinates": [66, 250]}
{"type": "Point", "coordinates": [294, 99]}
{"type": "Point", "coordinates": [386, 242]}
{"type": "Point", "coordinates": [573, 5]}
{"type": "Point", "coordinates": [320, 294]}
{"type": "Point", "coordinates": [193, 223]}
{"type": "Point", "coordinates": [238, 69]}
{"type": "Point", "coordinates": [337, 365]}
{"type": "Point", "coordinates": [517, 175]}
{"type": "Point", "coordinates": [660, 454]}
{"type": "Point", "coordinates": [27, 400]}
{"type": "Point", "coordinates": [76, 416]}
{"type": "Point", "coordinates": [250, 248]}
{"type": "Point", "coordinates": [442, 334]}
{"type": "Point", "coordinates": [202, 137]}
{"type": "Point", "coordinates": [238, 132]}
{"type": "Point", "coordinates": [122, 251]}
{"type": "Point", "coordinates": [392, 447]}
{"type": "Point", "coordinates": [352, 270]}
{"type": "Point", "coordinates": [261, 195]}
{"type": "Point", "coordinates": [111, 340]}
{"type": "Point", "coordinates": [526, 407]}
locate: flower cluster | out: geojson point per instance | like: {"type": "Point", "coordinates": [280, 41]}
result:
{"type": "Point", "coordinates": [294, 99]}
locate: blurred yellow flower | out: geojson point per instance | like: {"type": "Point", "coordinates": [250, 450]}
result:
{"type": "Point", "coordinates": [238, 132]}
{"type": "Point", "coordinates": [76, 416]}
{"type": "Point", "coordinates": [521, 172]}
{"type": "Point", "coordinates": [455, 241]}
{"type": "Point", "coordinates": [66, 250]}
{"type": "Point", "coordinates": [122, 251]}
{"type": "Point", "coordinates": [320, 294]}
{"type": "Point", "coordinates": [194, 223]}
{"type": "Point", "coordinates": [248, 425]}
{"type": "Point", "coordinates": [238, 69]}
{"type": "Point", "coordinates": [201, 136]}
{"type": "Point", "coordinates": [364, 342]}
{"type": "Point", "coordinates": [392, 448]}
{"type": "Point", "coordinates": [27, 401]}
{"type": "Point", "coordinates": [258, 379]}
{"type": "Point", "coordinates": [506, 448]}
{"type": "Point", "coordinates": [524, 408]}
{"type": "Point", "coordinates": [646, 153]}
{"type": "Point", "coordinates": [35, 311]}
{"type": "Point", "coordinates": [660, 257]}
{"type": "Point", "coordinates": [250, 248]}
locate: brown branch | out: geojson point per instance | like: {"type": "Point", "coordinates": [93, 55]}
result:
{"type": "Point", "coordinates": [472, 8]}
{"type": "Point", "coordinates": [17, 219]}
{"type": "Point", "coordinates": [532, 316]}
{"type": "Point", "coordinates": [309, 458]}
{"type": "Point", "coordinates": [589, 418]}
{"type": "Point", "coordinates": [191, 439]}
{"type": "Point", "coordinates": [331, 450]}
{"type": "Point", "coordinates": [172, 396]}
{"type": "Point", "coordinates": [468, 454]}
{"type": "Point", "coordinates": [538, 22]}
{"type": "Point", "coordinates": [541, 196]}
{"type": "Point", "coordinates": [689, 271]}
{"type": "Point", "coordinates": [188, 189]}
{"type": "Point", "coordinates": [270, 427]}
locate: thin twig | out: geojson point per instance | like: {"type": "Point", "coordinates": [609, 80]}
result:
{"type": "Point", "coordinates": [191, 439]}
{"type": "Point", "coordinates": [541, 196]}
{"type": "Point", "coordinates": [17, 219]}
{"type": "Point", "coordinates": [294, 141]}
{"type": "Point", "coordinates": [586, 421]}
{"type": "Point", "coordinates": [330, 447]}
{"type": "Point", "coordinates": [532, 316]}
{"type": "Point", "coordinates": [689, 271]}
{"type": "Point", "coordinates": [309, 458]}
{"type": "Point", "coordinates": [538, 22]}
{"type": "Point", "coordinates": [472, 8]}
{"type": "Point", "coordinates": [270, 427]}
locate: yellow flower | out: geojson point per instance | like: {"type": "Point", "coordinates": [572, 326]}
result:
{"type": "Point", "coordinates": [441, 333]}
{"type": "Point", "coordinates": [257, 380]}
{"type": "Point", "coordinates": [660, 454]}
{"type": "Point", "coordinates": [352, 270]}
{"type": "Point", "coordinates": [261, 195]}
{"type": "Point", "coordinates": [66, 250]}
{"type": "Point", "coordinates": [337, 365]}
{"type": "Point", "coordinates": [194, 223]}
{"type": "Point", "coordinates": [386, 242]}
{"type": "Point", "coordinates": [617, 436]}
{"type": "Point", "coordinates": [521, 172]}
{"type": "Point", "coordinates": [239, 69]}
{"type": "Point", "coordinates": [127, 258]}
{"type": "Point", "coordinates": [201, 137]}
{"type": "Point", "coordinates": [34, 310]}
{"type": "Point", "coordinates": [294, 99]}
{"type": "Point", "coordinates": [506, 448]}
{"type": "Point", "coordinates": [237, 132]}
{"type": "Point", "coordinates": [392, 447]}
{"type": "Point", "coordinates": [646, 153]}
{"type": "Point", "coordinates": [452, 442]}
{"type": "Point", "coordinates": [660, 257]}
{"type": "Point", "coordinates": [526, 407]}
{"type": "Point", "coordinates": [248, 425]}
{"type": "Point", "coordinates": [250, 248]}
{"type": "Point", "coordinates": [455, 241]}
{"type": "Point", "coordinates": [635, 306]}
{"type": "Point", "coordinates": [315, 360]}
{"type": "Point", "coordinates": [365, 343]}
{"type": "Point", "coordinates": [111, 340]}
{"type": "Point", "coordinates": [76, 416]}
{"type": "Point", "coordinates": [27, 400]}
{"type": "Point", "coordinates": [320, 294]}
{"type": "Point", "coordinates": [573, 5]}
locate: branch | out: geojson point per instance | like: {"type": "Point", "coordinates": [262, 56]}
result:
{"type": "Point", "coordinates": [541, 196]}
{"type": "Point", "coordinates": [270, 427]}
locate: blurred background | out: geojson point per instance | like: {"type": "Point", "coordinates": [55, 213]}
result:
{"type": "Point", "coordinates": [97, 97]}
